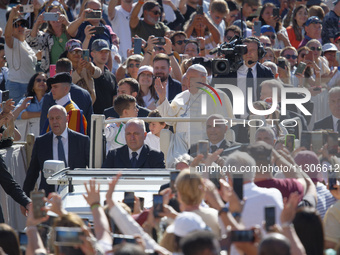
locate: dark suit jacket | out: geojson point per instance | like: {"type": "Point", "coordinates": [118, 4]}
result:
{"type": "Point", "coordinates": [79, 95]}
{"type": "Point", "coordinates": [174, 88]}
{"type": "Point", "coordinates": [78, 157]}
{"type": "Point", "coordinates": [11, 187]}
{"type": "Point", "coordinates": [119, 158]}
{"type": "Point", "coordinates": [263, 73]}
{"type": "Point", "coordinates": [326, 123]}
{"type": "Point", "coordinates": [224, 145]}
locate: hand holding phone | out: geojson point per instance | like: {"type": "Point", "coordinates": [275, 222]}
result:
{"type": "Point", "coordinates": [38, 203]}
{"type": "Point", "coordinates": [203, 148]}
{"type": "Point", "coordinates": [157, 205]}
{"type": "Point", "coordinates": [129, 199]}
{"type": "Point", "coordinates": [269, 213]}
{"type": "Point", "coordinates": [257, 27]}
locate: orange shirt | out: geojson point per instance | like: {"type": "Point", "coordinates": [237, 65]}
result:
{"type": "Point", "coordinates": [292, 37]}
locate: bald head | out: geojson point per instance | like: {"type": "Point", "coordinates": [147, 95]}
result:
{"type": "Point", "coordinates": [274, 244]}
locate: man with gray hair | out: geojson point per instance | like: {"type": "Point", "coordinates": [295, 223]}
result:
{"type": "Point", "coordinates": [135, 154]}
{"type": "Point", "coordinates": [256, 198]}
{"type": "Point", "coordinates": [194, 102]}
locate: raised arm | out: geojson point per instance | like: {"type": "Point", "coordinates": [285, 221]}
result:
{"type": "Point", "coordinates": [9, 39]}
{"type": "Point", "coordinates": [72, 29]}
{"type": "Point", "coordinates": [134, 20]}
{"type": "Point", "coordinates": [112, 9]}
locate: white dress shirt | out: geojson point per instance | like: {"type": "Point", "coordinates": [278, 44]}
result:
{"type": "Point", "coordinates": [138, 152]}
{"type": "Point", "coordinates": [335, 123]}
{"type": "Point", "coordinates": [64, 139]}
{"type": "Point", "coordinates": [64, 100]}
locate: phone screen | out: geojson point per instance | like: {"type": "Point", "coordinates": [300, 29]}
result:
{"type": "Point", "coordinates": [203, 148]}
{"type": "Point", "coordinates": [157, 205]}
{"type": "Point", "coordinates": [173, 176]}
{"type": "Point", "coordinates": [257, 27]}
{"type": "Point", "coordinates": [290, 142]}
{"type": "Point", "coordinates": [306, 139]}
{"type": "Point", "coordinates": [86, 55]}
{"type": "Point", "coordinates": [137, 46]}
{"type": "Point", "coordinates": [38, 203]}
{"type": "Point", "coordinates": [238, 185]}
{"type": "Point", "coordinates": [242, 236]}
{"type": "Point", "coordinates": [68, 236]}
{"type": "Point", "coordinates": [317, 141]}
{"type": "Point", "coordinates": [276, 12]}
{"type": "Point", "coordinates": [269, 213]}
{"type": "Point", "coordinates": [300, 68]}
{"type": "Point", "coordinates": [129, 199]}
{"type": "Point", "coordinates": [332, 180]}
{"type": "Point", "coordinates": [332, 141]}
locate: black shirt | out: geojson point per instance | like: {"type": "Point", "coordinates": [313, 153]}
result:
{"type": "Point", "coordinates": [106, 89]}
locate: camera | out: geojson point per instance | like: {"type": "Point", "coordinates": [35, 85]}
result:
{"type": "Point", "coordinates": [233, 57]}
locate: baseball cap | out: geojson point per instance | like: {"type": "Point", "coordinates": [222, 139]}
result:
{"type": "Point", "coordinates": [307, 158]}
{"type": "Point", "coordinates": [329, 47]}
{"type": "Point", "coordinates": [145, 69]}
{"type": "Point", "coordinates": [313, 20]}
{"type": "Point", "coordinates": [73, 44]}
{"type": "Point", "coordinates": [21, 18]}
{"type": "Point", "coordinates": [99, 45]}
{"type": "Point", "coordinates": [59, 78]}
{"type": "Point", "coordinates": [185, 223]}
{"type": "Point", "coordinates": [267, 28]}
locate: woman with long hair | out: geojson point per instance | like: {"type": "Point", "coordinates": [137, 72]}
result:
{"type": "Point", "coordinates": [300, 16]}
{"type": "Point", "coordinates": [267, 18]}
{"type": "Point", "coordinates": [53, 39]}
{"type": "Point", "coordinates": [147, 94]}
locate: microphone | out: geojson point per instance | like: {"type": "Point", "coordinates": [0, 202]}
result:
{"type": "Point", "coordinates": [213, 51]}
{"type": "Point", "coordinates": [250, 62]}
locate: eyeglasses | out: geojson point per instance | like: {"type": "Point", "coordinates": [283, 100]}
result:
{"type": "Point", "coordinates": [16, 25]}
{"type": "Point", "coordinates": [315, 48]}
{"type": "Point", "coordinates": [148, 75]}
{"type": "Point", "coordinates": [158, 48]}
{"type": "Point", "coordinates": [134, 65]}
{"type": "Point", "coordinates": [40, 80]}
{"type": "Point", "coordinates": [267, 44]}
{"type": "Point", "coordinates": [290, 56]}
{"type": "Point", "coordinates": [78, 52]}
{"type": "Point", "coordinates": [271, 36]}
{"type": "Point", "coordinates": [156, 12]}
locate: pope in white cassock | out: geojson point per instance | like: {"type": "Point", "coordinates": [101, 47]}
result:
{"type": "Point", "coordinates": [189, 104]}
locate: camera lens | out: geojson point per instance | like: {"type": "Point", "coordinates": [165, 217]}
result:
{"type": "Point", "coordinates": [221, 66]}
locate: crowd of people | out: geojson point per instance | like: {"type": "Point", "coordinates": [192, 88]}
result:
{"type": "Point", "coordinates": [62, 61]}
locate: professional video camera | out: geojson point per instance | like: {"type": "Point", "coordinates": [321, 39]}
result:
{"type": "Point", "coordinates": [233, 57]}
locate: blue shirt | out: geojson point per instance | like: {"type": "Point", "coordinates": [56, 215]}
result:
{"type": "Point", "coordinates": [32, 107]}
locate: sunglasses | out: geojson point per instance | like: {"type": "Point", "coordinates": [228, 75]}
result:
{"type": "Point", "coordinates": [315, 48]}
{"type": "Point", "coordinates": [156, 12]}
{"type": "Point", "coordinates": [78, 52]}
{"type": "Point", "coordinates": [134, 65]}
{"type": "Point", "coordinates": [158, 48]}
{"type": "Point", "coordinates": [16, 25]}
{"type": "Point", "coordinates": [40, 80]}
{"type": "Point", "coordinates": [180, 42]}
{"type": "Point", "coordinates": [290, 56]}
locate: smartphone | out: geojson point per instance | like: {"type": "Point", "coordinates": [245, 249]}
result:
{"type": "Point", "coordinates": [332, 141]}
{"type": "Point", "coordinates": [276, 12]}
{"type": "Point", "coordinates": [161, 41]}
{"type": "Point", "coordinates": [290, 142]}
{"type": "Point", "coordinates": [257, 27]}
{"type": "Point", "coordinates": [332, 180]}
{"type": "Point", "coordinates": [52, 70]}
{"type": "Point", "coordinates": [157, 205]}
{"type": "Point", "coordinates": [269, 214]}
{"type": "Point", "coordinates": [203, 148]}
{"type": "Point", "coordinates": [317, 141]}
{"type": "Point", "coordinates": [310, 56]}
{"type": "Point", "coordinates": [86, 221]}
{"type": "Point", "coordinates": [300, 68]}
{"type": "Point", "coordinates": [242, 236]}
{"type": "Point", "coordinates": [22, 238]}
{"type": "Point", "coordinates": [199, 9]}
{"type": "Point", "coordinates": [5, 95]}
{"type": "Point", "coordinates": [137, 48]}
{"type": "Point", "coordinates": [119, 239]}
{"type": "Point", "coordinates": [98, 30]}
{"type": "Point", "coordinates": [51, 16]}
{"type": "Point", "coordinates": [93, 15]}
{"type": "Point", "coordinates": [86, 55]}
{"type": "Point", "coordinates": [238, 185]}
{"type": "Point", "coordinates": [26, 8]}
{"type": "Point", "coordinates": [317, 89]}
{"type": "Point", "coordinates": [129, 199]}
{"type": "Point", "coordinates": [306, 139]}
{"type": "Point", "coordinates": [68, 236]}
{"type": "Point", "coordinates": [173, 176]}
{"type": "Point", "coordinates": [141, 201]}
{"type": "Point", "coordinates": [214, 177]}
{"type": "Point", "coordinates": [281, 63]}
{"type": "Point", "coordinates": [38, 203]}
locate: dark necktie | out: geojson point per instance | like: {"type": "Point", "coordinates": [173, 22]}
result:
{"type": "Point", "coordinates": [338, 127]}
{"type": "Point", "coordinates": [213, 148]}
{"type": "Point", "coordinates": [61, 152]}
{"type": "Point", "coordinates": [250, 83]}
{"type": "Point", "coordinates": [134, 159]}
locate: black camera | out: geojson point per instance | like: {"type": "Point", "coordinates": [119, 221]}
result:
{"type": "Point", "coordinates": [233, 57]}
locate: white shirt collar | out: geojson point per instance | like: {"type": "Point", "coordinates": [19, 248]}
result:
{"type": "Point", "coordinates": [335, 122]}
{"type": "Point", "coordinates": [64, 100]}
{"type": "Point", "coordinates": [138, 152]}
{"type": "Point", "coordinates": [217, 144]}
{"type": "Point", "coordinates": [63, 135]}
{"type": "Point", "coordinates": [244, 68]}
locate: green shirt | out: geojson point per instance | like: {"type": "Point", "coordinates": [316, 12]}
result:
{"type": "Point", "coordinates": [144, 30]}
{"type": "Point", "coordinates": [58, 47]}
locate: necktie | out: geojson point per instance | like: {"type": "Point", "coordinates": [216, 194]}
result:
{"type": "Point", "coordinates": [213, 148]}
{"type": "Point", "coordinates": [134, 159]}
{"type": "Point", "coordinates": [61, 152]}
{"type": "Point", "coordinates": [250, 82]}
{"type": "Point", "coordinates": [339, 127]}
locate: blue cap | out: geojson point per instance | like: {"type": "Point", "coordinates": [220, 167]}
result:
{"type": "Point", "coordinates": [313, 20]}
{"type": "Point", "coordinates": [267, 28]}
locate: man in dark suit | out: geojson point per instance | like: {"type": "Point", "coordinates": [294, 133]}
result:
{"type": "Point", "coordinates": [79, 95]}
{"type": "Point", "coordinates": [135, 154]}
{"type": "Point", "coordinates": [127, 86]}
{"type": "Point", "coordinates": [251, 73]}
{"type": "Point", "coordinates": [332, 121]}
{"type": "Point", "coordinates": [59, 144]}
{"type": "Point", "coordinates": [162, 69]}
{"type": "Point", "coordinates": [215, 130]}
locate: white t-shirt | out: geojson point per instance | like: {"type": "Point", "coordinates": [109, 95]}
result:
{"type": "Point", "coordinates": [21, 61]}
{"type": "Point", "coordinates": [121, 26]}
{"type": "Point", "coordinates": [3, 20]}
{"type": "Point", "coordinates": [153, 141]}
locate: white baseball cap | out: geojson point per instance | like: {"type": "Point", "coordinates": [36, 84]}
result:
{"type": "Point", "coordinates": [145, 69]}
{"type": "Point", "coordinates": [329, 47]}
{"type": "Point", "coordinates": [185, 223]}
